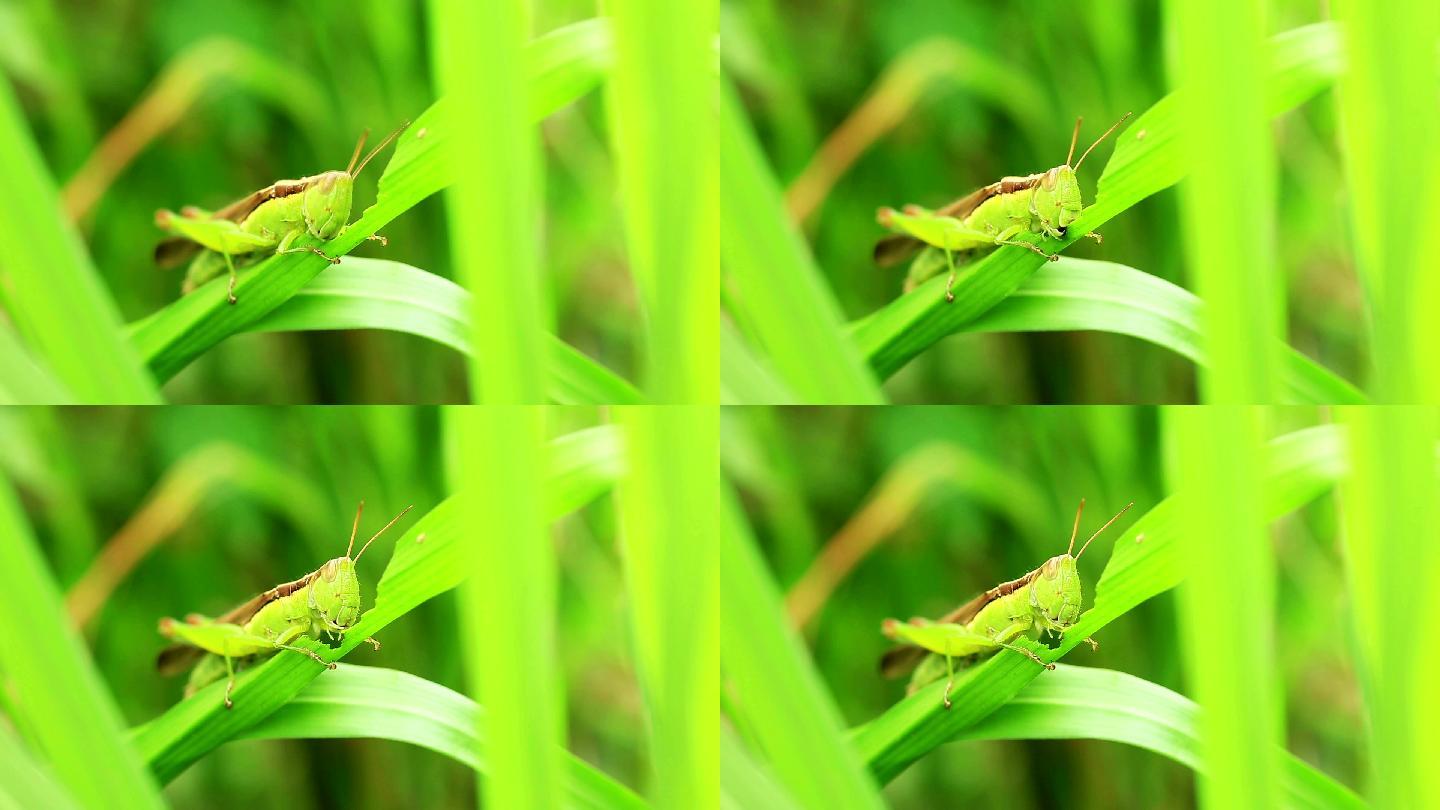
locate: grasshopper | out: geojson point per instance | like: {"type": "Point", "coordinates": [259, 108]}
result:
{"type": "Point", "coordinates": [1046, 600]}
{"type": "Point", "coordinates": [269, 219]}
{"type": "Point", "coordinates": [325, 601]}
{"type": "Point", "coordinates": [1044, 203]}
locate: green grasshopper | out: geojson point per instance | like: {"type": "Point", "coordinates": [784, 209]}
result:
{"type": "Point", "coordinates": [325, 601]}
{"type": "Point", "coordinates": [269, 219]}
{"type": "Point", "coordinates": [1046, 600]}
{"type": "Point", "coordinates": [1044, 203]}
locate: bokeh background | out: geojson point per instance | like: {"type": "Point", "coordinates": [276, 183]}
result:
{"type": "Point", "coordinates": [860, 105]}
{"type": "Point", "coordinates": [911, 511]}
{"type": "Point", "coordinates": [144, 513]}
{"type": "Point", "coordinates": [226, 97]}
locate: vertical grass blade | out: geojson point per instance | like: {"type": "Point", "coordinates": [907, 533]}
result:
{"type": "Point", "coordinates": [661, 101]}
{"type": "Point", "coordinates": [492, 207]}
{"type": "Point", "coordinates": [773, 691]}
{"type": "Point", "coordinates": [60, 699]}
{"type": "Point", "coordinates": [1227, 603]}
{"type": "Point", "coordinates": [23, 381]}
{"type": "Point", "coordinates": [669, 518]}
{"type": "Point", "coordinates": [1391, 125]}
{"type": "Point", "coordinates": [1228, 197]}
{"type": "Point", "coordinates": [25, 782]}
{"type": "Point", "coordinates": [773, 288]}
{"type": "Point", "coordinates": [1390, 521]}
{"type": "Point", "coordinates": [508, 601]}
{"type": "Point", "coordinates": [48, 286]}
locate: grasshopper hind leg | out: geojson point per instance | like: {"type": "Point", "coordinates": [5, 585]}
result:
{"type": "Point", "coordinates": [230, 265]}
{"type": "Point", "coordinates": [950, 298]}
{"type": "Point", "coordinates": [230, 684]}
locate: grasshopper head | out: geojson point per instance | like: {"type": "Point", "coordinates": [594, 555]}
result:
{"type": "Point", "coordinates": [327, 204]}
{"type": "Point", "coordinates": [1057, 201]}
{"type": "Point", "coordinates": [1055, 595]}
{"type": "Point", "coordinates": [336, 593]}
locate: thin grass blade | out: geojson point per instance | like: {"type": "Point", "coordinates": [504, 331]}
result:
{"type": "Point", "coordinates": [53, 294]}
{"type": "Point", "coordinates": [1390, 521]}
{"type": "Point", "coordinates": [62, 702]}
{"type": "Point", "coordinates": [669, 518]}
{"type": "Point", "coordinates": [774, 291]}
{"type": "Point", "coordinates": [662, 125]}
{"type": "Point", "coordinates": [507, 602]}
{"type": "Point", "coordinates": [773, 691]}
{"type": "Point", "coordinates": [1227, 604]}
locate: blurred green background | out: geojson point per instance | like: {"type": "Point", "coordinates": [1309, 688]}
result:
{"type": "Point", "coordinates": [860, 105]}
{"type": "Point", "coordinates": [230, 501]}
{"type": "Point", "coordinates": [250, 93]}
{"type": "Point", "coordinates": [911, 511]}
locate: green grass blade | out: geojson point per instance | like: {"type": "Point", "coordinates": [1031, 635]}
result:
{"type": "Point", "coordinates": [25, 782]}
{"type": "Point", "coordinates": [744, 783]}
{"type": "Point", "coordinates": [507, 601]}
{"type": "Point", "coordinates": [774, 289]}
{"type": "Point", "coordinates": [52, 293]}
{"type": "Point", "coordinates": [580, 467]}
{"type": "Point", "coordinates": [744, 377]}
{"type": "Point", "coordinates": [1298, 467]}
{"type": "Point", "coordinates": [1078, 294]}
{"type": "Point", "coordinates": [380, 294]}
{"type": "Point", "coordinates": [1081, 703]}
{"type": "Point", "coordinates": [493, 204]}
{"type": "Point", "coordinates": [773, 691]}
{"type": "Point", "coordinates": [1228, 199]}
{"type": "Point", "coordinates": [23, 381]}
{"type": "Point", "coordinates": [370, 702]}
{"type": "Point", "coordinates": [662, 126]}
{"type": "Point", "coordinates": [563, 65]}
{"type": "Point", "coordinates": [1302, 63]}
{"type": "Point", "coordinates": [52, 685]}
{"type": "Point", "coordinates": [1390, 126]}
{"type": "Point", "coordinates": [1390, 521]}
{"type": "Point", "coordinates": [671, 493]}
{"type": "Point", "coordinates": [1227, 604]}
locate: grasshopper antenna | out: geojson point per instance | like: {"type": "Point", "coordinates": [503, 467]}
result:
{"type": "Point", "coordinates": [392, 523]}
{"type": "Point", "coordinates": [1076, 529]}
{"type": "Point", "coordinates": [373, 152]}
{"type": "Point", "coordinates": [1108, 522]}
{"type": "Point", "coordinates": [1101, 138]}
{"type": "Point", "coordinates": [355, 528]}
{"type": "Point", "coordinates": [1074, 136]}
{"type": "Point", "coordinates": [360, 144]}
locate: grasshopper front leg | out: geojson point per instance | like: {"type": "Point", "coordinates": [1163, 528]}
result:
{"type": "Point", "coordinates": [1006, 237]}
{"type": "Point", "coordinates": [289, 239]}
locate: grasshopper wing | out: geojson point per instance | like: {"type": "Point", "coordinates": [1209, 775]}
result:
{"type": "Point", "coordinates": [179, 657]}
{"type": "Point", "coordinates": [174, 252]}
{"type": "Point", "coordinates": [893, 250]}
{"type": "Point", "coordinates": [901, 659]}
